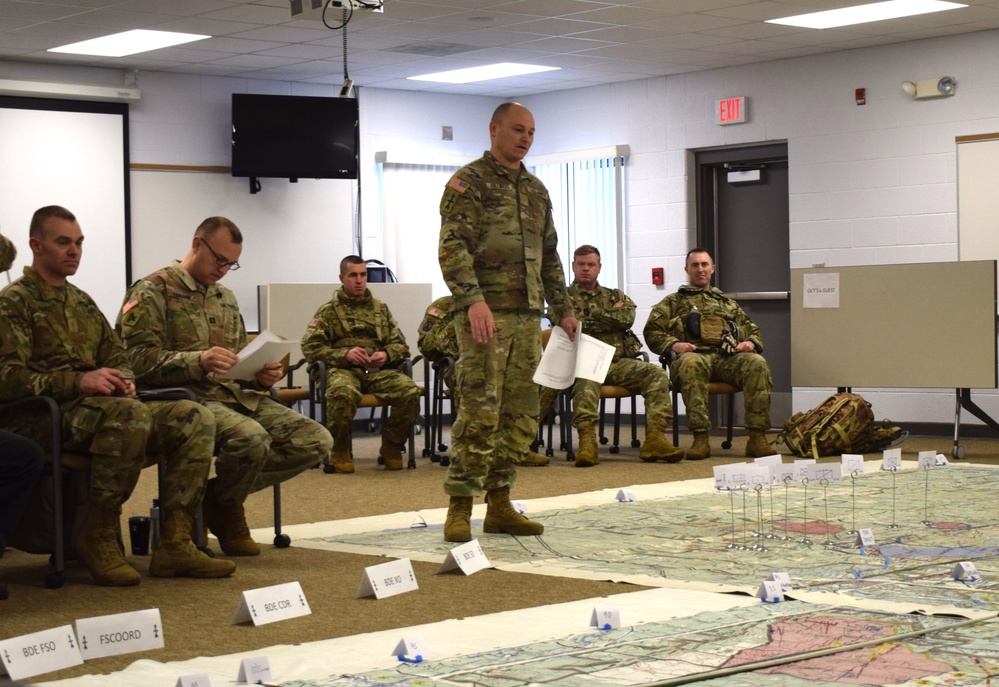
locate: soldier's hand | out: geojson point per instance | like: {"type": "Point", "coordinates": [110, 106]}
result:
{"type": "Point", "coordinates": [571, 326]}
{"type": "Point", "coordinates": [744, 346]}
{"type": "Point", "coordinates": [269, 375]}
{"type": "Point", "coordinates": [358, 356]}
{"type": "Point", "coordinates": [681, 347]}
{"type": "Point", "coordinates": [105, 382]}
{"type": "Point", "coordinates": [377, 360]}
{"type": "Point", "coordinates": [218, 360]}
{"type": "Point", "coordinates": [481, 319]}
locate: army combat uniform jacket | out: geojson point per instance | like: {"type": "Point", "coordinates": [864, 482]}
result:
{"type": "Point", "coordinates": [168, 319]}
{"type": "Point", "coordinates": [600, 319]}
{"type": "Point", "coordinates": [344, 323]}
{"type": "Point", "coordinates": [667, 323]}
{"type": "Point", "coordinates": [437, 339]}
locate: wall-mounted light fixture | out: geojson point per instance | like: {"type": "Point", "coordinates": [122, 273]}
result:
{"type": "Point", "coordinates": [931, 88]}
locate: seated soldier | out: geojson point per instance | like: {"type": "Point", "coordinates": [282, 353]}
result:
{"type": "Point", "coordinates": [607, 314]}
{"type": "Point", "coordinates": [363, 348]}
{"type": "Point", "coordinates": [56, 342]}
{"type": "Point", "coordinates": [713, 340]}
{"type": "Point", "coordinates": [438, 340]}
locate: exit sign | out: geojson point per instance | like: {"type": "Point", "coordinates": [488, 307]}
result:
{"type": "Point", "coordinates": [731, 110]}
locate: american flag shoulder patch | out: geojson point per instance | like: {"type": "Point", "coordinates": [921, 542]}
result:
{"type": "Point", "coordinates": [313, 322]}
{"type": "Point", "coordinates": [458, 185]}
{"type": "Point", "coordinates": [131, 303]}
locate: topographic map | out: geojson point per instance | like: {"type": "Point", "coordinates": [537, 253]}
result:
{"type": "Point", "coordinates": [923, 523]}
{"type": "Point", "coordinates": [788, 644]}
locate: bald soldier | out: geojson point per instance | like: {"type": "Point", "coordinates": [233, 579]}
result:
{"type": "Point", "coordinates": [498, 253]}
{"type": "Point", "coordinates": [182, 328]}
{"type": "Point", "coordinates": [363, 348]}
{"type": "Point", "coordinates": [56, 342]}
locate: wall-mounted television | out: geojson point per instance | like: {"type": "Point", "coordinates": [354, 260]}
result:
{"type": "Point", "coordinates": [293, 136]}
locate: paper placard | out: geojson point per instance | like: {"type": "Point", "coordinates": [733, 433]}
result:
{"type": "Point", "coordinates": [781, 578]}
{"type": "Point", "coordinates": [941, 460]}
{"type": "Point", "coordinates": [965, 570]}
{"type": "Point", "coordinates": [518, 506]}
{"type": "Point", "coordinates": [865, 538]}
{"type": "Point", "coordinates": [853, 464]}
{"type": "Point", "coordinates": [891, 459]}
{"type": "Point", "coordinates": [271, 604]}
{"type": "Point", "coordinates": [820, 290]}
{"type": "Point", "coordinates": [770, 591]}
{"type": "Point", "coordinates": [469, 558]}
{"type": "Point", "coordinates": [927, 460]}
{"type": "Point", "coordinates": [722, 476]}
{"type": "Point", "coordinates": [770, 461]}
{"type": "Point", "coordinates": [387, 579]}
{"type": "Point", "coordinates": [121, 633]}
{"type": "Point", "coordinates": [254, 670]}
{"type": "Point", "coordinates": [758, 475]}
{"type": "Point", "coordinates": [605, 617]}
{"type": "Point", "coordinates": [828, 472]}
{"type": "Point", "coordinates": [625, 495]}
{"type": "Point", "coordinates": [785, 473]}
{"type": "Point", "coordinates": [40, 652]}
{"type": "Point", "coordinates": [418, 522]}
{"type": "Point", "coordinates": [412, 647]}
{"type": "Point", "coordinates": [194, 680]}
{"type": "Point", "coordinates": [801, 467]}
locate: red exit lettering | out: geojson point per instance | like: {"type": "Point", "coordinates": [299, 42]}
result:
{"type": "Point", "coordinates": [731, 110]}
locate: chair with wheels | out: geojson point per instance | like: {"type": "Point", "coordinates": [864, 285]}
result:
{"type": "Point", "coordinates": [436, 393]}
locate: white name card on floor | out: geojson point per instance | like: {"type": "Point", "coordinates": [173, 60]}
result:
{"type": "Point", "coordinates": [865, 538]}
{"type": "Point", "coordinates": [121, 633]}
{"type": "Point", "coordinates": [941, 460]}
{"type": "Point", "coordinates": [781, 578]}
{"type": "Point", "coordinates": [412, 649]}
{"type": "Point", "coordinates": [625, 495]}
{"type": "Point", "coordinates": [758, 475]}
{"type": "Point", "coordinates": [519, 506]}
{"type": "Point", "coordinates": [770, 591]}
{"type": "Point", "coordinates": [731, 476]}
{"type": "Point", "coordinates": [927, 460]}
{"type": "Point", "coordinates": [254, 670]}
{"type": "Point", "coordinates": [469, 558]}
{"type": "Point", "coordinates": [801, 467]}
{"type": "Point", "coordinates": [40, 652]}
{"type": "Point", "coordinates": [387, 579]}
{"type": "Point", "coordinates": [891, 459]}
{"type": "Point", "coordinates": [271, 604]}
{"type": "Point", "coordinates": [853, 464]}
{"type": "Point", "coordinates": [965, 570]}
{"type": "Point", "coordinates": [770, 461]}
{"type": "Point", "coordinates": [825, 472]}
{"type": "Point", "coordinates": [606, 617]}
{"type": "Point", "coordinates": [786, 473]}
{"type": "Point", "coordinates": [194, 680]}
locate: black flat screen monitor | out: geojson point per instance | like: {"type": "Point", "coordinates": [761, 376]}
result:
{"type": "Point", "coordinates": [294, 136]}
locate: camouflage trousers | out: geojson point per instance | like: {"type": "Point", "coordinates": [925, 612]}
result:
{"type": "Point", "coordinates": [637, 376]}
{"type": "Point", "coordinates": [344, 389]}
{"type": "Point", "coordinates": [256, 449]}
{"type": "Point", "coordinates": [498, 414]}
{"type": "Point", "coordinates": [123, 434]}
{"type": "Point", "coordinates": [749, 371]}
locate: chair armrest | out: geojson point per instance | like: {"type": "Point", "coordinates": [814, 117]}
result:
{"type": "Point", "coordinates": [168, 393]}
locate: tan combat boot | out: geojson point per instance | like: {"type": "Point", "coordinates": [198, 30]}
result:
{"type": "Point", "coordinates": [177, 556]}
{"type": "Point", "coordinates": [758, 446]}
{"type": "Point", "coordinates": [534, 460]}
{"type": "Point", "coordinates": [501, 516]}
{"type": "Point", "coordinates": [701, 448]}
{"type": "Point", "coordinates": [391, 452]}
{"type": "Point", "coordinates": [587, 455]}
{"type": "Point", "coordinates": [657, 447]}
{"type": "Point", "coordinates": [458, 525]}
{"type": "Point", "coordinates": [340, 458]}
{"type": "Point", "coordinates": [227, 521]}
{"type": "Point", "coordinates": [97, 548]}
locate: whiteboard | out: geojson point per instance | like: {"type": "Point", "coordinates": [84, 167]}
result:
{"type": "Point", "coordinates": [74, 157]}
{"type": "Point", "coordinates": [977, 197]}
{"type": "Point", "coordinates": [291, 232]}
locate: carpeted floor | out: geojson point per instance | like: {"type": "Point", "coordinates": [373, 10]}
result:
{"type": "Point", "coordinates": [197, 614]}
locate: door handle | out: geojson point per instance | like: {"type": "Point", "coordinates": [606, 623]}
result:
{"type": "Point", "coordinates": [761, 295]}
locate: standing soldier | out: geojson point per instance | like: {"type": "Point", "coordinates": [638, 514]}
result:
{"type": "Point", "coordinates": [607, 315]}
{"type": "Point", "coordinates": [713, 340]}
{"type": "Point", "coordinates": [56, 342]}
{"type": "Point", "coordinates": [499, 255]}
{"type": "Point", "coordinates": [363, 348]}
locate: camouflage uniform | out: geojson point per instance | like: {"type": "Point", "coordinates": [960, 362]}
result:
{"type": "Point", "coordinates": [749, 370]}
{"type": "Point", "coordinates": [437, 339]}
{"type": "Point", "coordinates": [497, 244]}
{"type": "Point", "coordinates": [344, 323]}
{"type": "Point", "coordinates": [52, 337]}
{"type": "Point", "coordinates": [167, 320]}
{"type": "Point", "coordinates": [600, 319]}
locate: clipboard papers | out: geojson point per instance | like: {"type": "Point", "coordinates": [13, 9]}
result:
{"type": "Point", "coordinates": [267, 347]}
{"type": "Point", "coordinates": [564, 360]}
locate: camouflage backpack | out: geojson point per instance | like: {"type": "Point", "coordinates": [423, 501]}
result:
{"type": "Point", "coordinates": [843, 423]}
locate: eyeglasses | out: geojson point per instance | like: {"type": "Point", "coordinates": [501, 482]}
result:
{"type": "Point", "coordinates": [219, 260]}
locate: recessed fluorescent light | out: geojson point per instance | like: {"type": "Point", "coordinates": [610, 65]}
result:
{"type": "Point", "coordinates": [128, 43]}
{"type": "Point", "coordinates": [861, 14]}
{"type": "Point", "coordinates": [490, 71]}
